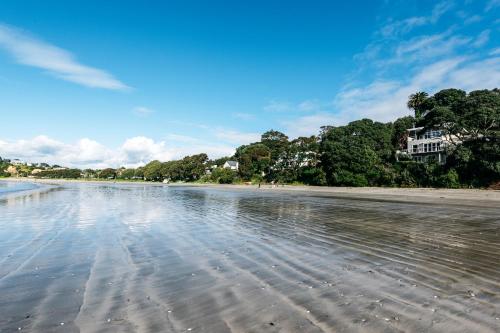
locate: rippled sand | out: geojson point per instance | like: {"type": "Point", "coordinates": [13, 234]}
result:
{"type": "Point", "coordinates": [136, 258]}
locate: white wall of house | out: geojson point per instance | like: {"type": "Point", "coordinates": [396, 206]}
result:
{"type": "Point", "coordinates": [232, 165]}
{"type": "Point", "coordinates": [423, 145]}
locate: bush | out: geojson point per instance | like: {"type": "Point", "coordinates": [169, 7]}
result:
{"type": "Point", "coordinates": [449, 180]}
{"type": "Point", "coordinates": [64, 173]}
{"type": "Point", "coordinates": [347, 178]}
{"type": "Point", "coordinates": [223, 176]}
{"type": "Point", "coordinates": [312, 176]}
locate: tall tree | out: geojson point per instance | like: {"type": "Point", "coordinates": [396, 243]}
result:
{"type": "Point", "coordinates": [254, 160]}
{"type": "Point", "coordinates": [152, 171]}
{"type": "Point", "coordinates": [399, 132]}
{"type": "Point", "coordinates": [356, 154]}
{"type": "Point", "coordinates": [416, 102]}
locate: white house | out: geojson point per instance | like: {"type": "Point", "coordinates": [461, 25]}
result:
{"type": "Point", "coordinates": [232, 165]}
{"type": "Point", "coordinates": [423, 146]}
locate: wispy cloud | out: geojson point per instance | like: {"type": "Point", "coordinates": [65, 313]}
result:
{"type": "Point", "coordinates": [236, 137]}
{"type": "Point", "coordinates": [277, 106]}
{"type": "Point", "coordinates": [495, 52]}
{"type": "Point", "coordinates": [424, 48]}
{"type": "Point", "coordinates": [472, 19]}
{"type": "Point", "coordinates": [310, 124]}
{"type": "Point", "coordinates": [309, 105]}
{"type": "Point", "coordinates": [30, 51]}
{"type": "Point", "coordinates": [386, 101]}
{"type": "Point", "coordinates": [492, 4]}
{"type": "Point", "coordinates": [142, 111]}
{"type": "Point", "coordinates": [482, 39]}
{"type": "Point", "coordinates": [182, 138]}
{"type": "Point", "coordinates": [399, 27]}
{"type": "Point", "coordinates": [401, 60]}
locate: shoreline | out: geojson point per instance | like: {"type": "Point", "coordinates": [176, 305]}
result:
{"type": "Point", "coordinates": [434, 196]}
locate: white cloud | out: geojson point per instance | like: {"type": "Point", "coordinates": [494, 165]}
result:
{"type": "Point", "coordinates": [426, 45]}
{"type": "Point", "coordinates": [310, 124]}
{"type": "Point", "coordinates": [30, 51]}
{"type": "Point", "coordinates": [235, 137]}
{"type": "Point", "coordinates": [141, 150]}
{"type": "Point", "coordinates": [142, 111]}
{"type": "Point", "coordinates": [386, 101]}
{"type": "Point", "coordinates": [404, 26]}
{"type": "Point", "coordinates": [182, 138]}
{"type": "Point", "coordinates": [394, 65]}
{"type": "Point", "coordinates": [483, 74]}
{"type": "Point", "coordinates": [85, 152]}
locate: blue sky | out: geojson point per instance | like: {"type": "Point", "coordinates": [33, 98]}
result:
{"type": "Point", "coordinates": [93, 83]}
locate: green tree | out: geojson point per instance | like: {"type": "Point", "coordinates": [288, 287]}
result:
{"type": "Point", "coordinates": [152, 171]}
{"type": "Point", "coordinates": [416, 102]}
{"type": "Point", "coordinates": [472, 124]}
{"type": "Point", "coordinates": [127, 174]}
{"type": "Point", "coordinates": [223, 176]}
{"type": "Point", "coordinates": [356, 154]}
{"type": "Point", "coordinates": [139, 173]}
{"type": "Point", "coordinates": [253, 160]}
{"type": "Point", "coordinates": [107, 173]}
{"type": "Point", "coordinates": [400, 134]}
{"type": "Point", "coordinates": [194, 166]}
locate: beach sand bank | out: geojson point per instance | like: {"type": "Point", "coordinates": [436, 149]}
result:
{"type": "Point", "coordinates": [469, 197]}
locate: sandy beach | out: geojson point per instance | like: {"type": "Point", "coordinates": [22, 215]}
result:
{"type": "Point", "coordinates": [469, 197]}
{"type": "Point", "coordinates": [118, 257]}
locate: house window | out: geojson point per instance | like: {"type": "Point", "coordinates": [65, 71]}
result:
{"type": "Point", "coordinates": [436, 134]}
{"type": "Point", "coordinates": [439, 146]}
{"type": "Point", "coordinates": [415, 148]}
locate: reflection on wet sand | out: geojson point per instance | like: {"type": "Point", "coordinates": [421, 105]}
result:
{"type": "Point", "coordinates": [134, 258]}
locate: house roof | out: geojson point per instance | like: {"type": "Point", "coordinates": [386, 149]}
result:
{"type": "Point", "coordinates": [232, 163]}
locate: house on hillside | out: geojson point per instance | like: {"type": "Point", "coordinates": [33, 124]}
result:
{"type": "Point", "coordinates": [425, 145]}
{"type": "Point", "coordinates": [12, 170]}
{"type": "Point", "coordinates": [232, 165]}
{"type": "Point", "coordinates": [36, 171]}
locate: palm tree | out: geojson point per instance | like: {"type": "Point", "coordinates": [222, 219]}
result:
{"type": "Point", "coordinates": [415, 102]}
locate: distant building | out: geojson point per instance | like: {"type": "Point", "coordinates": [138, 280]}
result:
{"type": "Point", "coordinates": [12, 170]}
{"type": "Point", "coordinates": [17, 161]}
{"type": "Point", "coordinates": [36, 171]}
{"type": "Point", "coordinates": [426, 145]}
{"type": "Point", "coordinates": [232, 165]}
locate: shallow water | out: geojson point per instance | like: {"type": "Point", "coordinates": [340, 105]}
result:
{"type": "Point", "coordinates": [135, 258]}
{"type": "Point", "coordinates": [7, 187]}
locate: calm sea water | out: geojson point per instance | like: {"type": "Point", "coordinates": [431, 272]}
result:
{"type": "Point", "coordinates": [135, 258]}
{"type": "Point", "coordinates": [12, 186]}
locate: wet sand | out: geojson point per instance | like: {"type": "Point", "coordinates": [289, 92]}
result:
{"type": "Point", "coordinates": [140, 258]}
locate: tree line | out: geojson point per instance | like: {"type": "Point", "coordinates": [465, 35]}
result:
{"type": "Point", "coordinates": [361, 153]}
